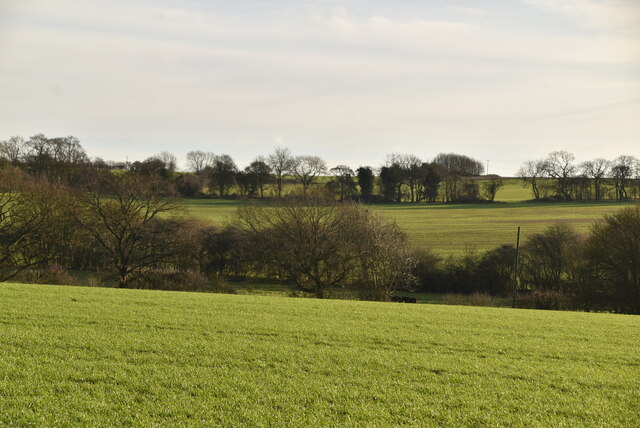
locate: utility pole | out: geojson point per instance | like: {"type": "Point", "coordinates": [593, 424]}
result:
{"type": "Point", "coordinates": [515, 271]}
{"type": "Point", "coordinates": [487, 167]}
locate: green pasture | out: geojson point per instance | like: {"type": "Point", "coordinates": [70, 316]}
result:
{"type": "Point", "coordinates": [80, 356]}
{"type": "Point", "coordinates": [450, 229]}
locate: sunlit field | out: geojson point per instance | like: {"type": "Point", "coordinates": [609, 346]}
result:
{"type": "Point", "coordinates": [450, 229]}
{"type": "Point", "coordinates": [78, 356]}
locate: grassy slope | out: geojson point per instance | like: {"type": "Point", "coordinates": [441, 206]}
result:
{"type": "Point", "coordinates": [454, 228]}
{"type": "Point", "coordinates": [80, 356]}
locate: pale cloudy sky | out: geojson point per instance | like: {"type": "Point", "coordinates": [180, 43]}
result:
{"type": "Point", "coordinates": [503, 80]}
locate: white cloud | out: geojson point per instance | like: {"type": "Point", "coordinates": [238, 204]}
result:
{"type": "Point", "coordinates": [618, 16]}
{"type": "Point", "coordinates": [325, 78]}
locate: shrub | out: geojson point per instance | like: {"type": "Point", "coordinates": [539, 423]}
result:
{"type": "Point", "coordinates": [550, 259]}
{"type": "Point", "coordinates": [427, 271]}
{"type": "Point", "coordinates": [317, 244]}
{"type": "Point", "coordinates": [612, 258]}
{"type": "Point", "coordinates": [546, 299]}
{"type": "Point", "coordinates": [160, 279]}
{"type": "Point", "coordinates": [53, 274]}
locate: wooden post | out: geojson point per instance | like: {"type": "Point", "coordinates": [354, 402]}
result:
{"type": "Point", "coordinates": [515, 271]}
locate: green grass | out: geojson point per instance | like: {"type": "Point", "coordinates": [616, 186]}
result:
{"type": "Point", "coordinates": [513, 191]}
{"type": "Point", "coordinates": [451, 229]}
{"type": "Point", "coordinates": [78, 356]}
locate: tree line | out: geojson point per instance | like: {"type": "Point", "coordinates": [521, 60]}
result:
{"type": "Point", "coordinates": [448, 177]}
{"type": "Point", "coordinates": [559, 177]}
{"type": "Point", "coordinates": [130, 232]}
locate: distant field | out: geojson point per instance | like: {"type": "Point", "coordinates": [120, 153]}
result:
{"type": "Point", "coordinates": [454, 228]}
{"type": "Point", "coordinates": [451, 229]}
{"type": "Point", "coordinates": [79, 356]}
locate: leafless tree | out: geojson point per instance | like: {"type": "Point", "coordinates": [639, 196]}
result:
{"type": "Point", "coordinates": [306, 170]}
{"type": "Point", "coordinates": [198, 160]}
{"type": "Point", "coordinates": [622, 171]}
{"type": "Point", "coordinates": [281, 162]}
{"type": "Point", "coordinates": [303, 240]}
{"type": "Point", "coordinates": [597, 170]}
{"type": "Point", "coordinates": [385, 258]}
{"type": "Point", "coordinates": [126, 224]}
{"type": "Point", "coordinates": [530, 173]}
{"type": "Point", "coordinates": [549, 258]}
{"type": "Point", "coordinates": [31, 222]}
{"type": "Point", "coordinates": [13, 149]}
{"type": "Point", "coordinates": [613, 258]}
{"type": "Point", "coordinates": [170, 161]}
{"type": "Point", "coordinates": [560, 167]}
{"type": "Point", "coordinates": [411, 164]}
{"type": "Point", "coordinates": [322, 244]}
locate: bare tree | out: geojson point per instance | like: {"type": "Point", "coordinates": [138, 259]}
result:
{"type": "Point", "coordinates": [198, 160]}
{"type": "Point", "coordinates": [318, 244]}
{"type": "Point", "coordinates": [37, 154]}
{"type": "Point", "coordinates": [411, 166]}
{"type": "Point", "coordinates": [597, 170]}
{"type": "Point", "coordinates": [302, 240]}
{"type": "Point", "coordinates": [13, 149]}
{"type": "Point", "coordinates": [126, 224]}
{"type": "Point", "coordinates": [32, 227]}
{"type": "Point", "coordinates": [306, 170]}
{"type": "Point", "coordinates": [560, 167]}
{"type": "Point", "coordinates": [281, 162]}
{"type": "Point", "coordinates": [459, 165]}
{"type": "Point", "coordinates": [170, 161]}
{"type": "Point", "coordinates": [549, 258]}
{"type": "Point", "coordinates": [67, 150]}
{"type": "Point", "coordinates": [613, 258]}
{"type": "Point", "coordinates": [530, 173]}
{"type": "Point", "coordinates": [385, 258]}
{"type": "Point", "coordinates": [622, 170]}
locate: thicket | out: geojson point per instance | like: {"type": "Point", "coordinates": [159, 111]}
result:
{"type": "Point", "coordinates": [129, 230]}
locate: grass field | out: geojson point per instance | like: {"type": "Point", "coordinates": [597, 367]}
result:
{"type": "Point", "coordinates": [78, 356]}
{"type": "Point", "coordinates": [450, 229]}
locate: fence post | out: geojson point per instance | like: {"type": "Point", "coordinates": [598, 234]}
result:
{"type": "Point", "coordinates": [515, 271]}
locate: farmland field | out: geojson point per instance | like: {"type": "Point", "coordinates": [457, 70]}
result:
{"type": "Point", "coordinates": [82, 356]}
{"type": "Point", "coordinates": [450, 229]}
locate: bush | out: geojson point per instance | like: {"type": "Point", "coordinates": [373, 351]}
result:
{"type": "Point", "coordinates": [317, 244]}
{"type": "Point", "coordinates": [189, 185]}
{"type": "Point", "coordinates": [546, 299]}
{"type": "Point", "coordinates": [428, 272]}
{"type": "Point", "coordinates": [550, 259]}
{"type": "Point", "coordinates": [159, 279]}
{"type": "Point", "coordinates": [612, 259]}
{"type": "Point", "coordinates": [53, 274]}
{"type": "Point", "coordinates": [475, 299]}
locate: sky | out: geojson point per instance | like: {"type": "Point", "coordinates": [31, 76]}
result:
{"type": "Point", "coordinates": [503, 81]}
